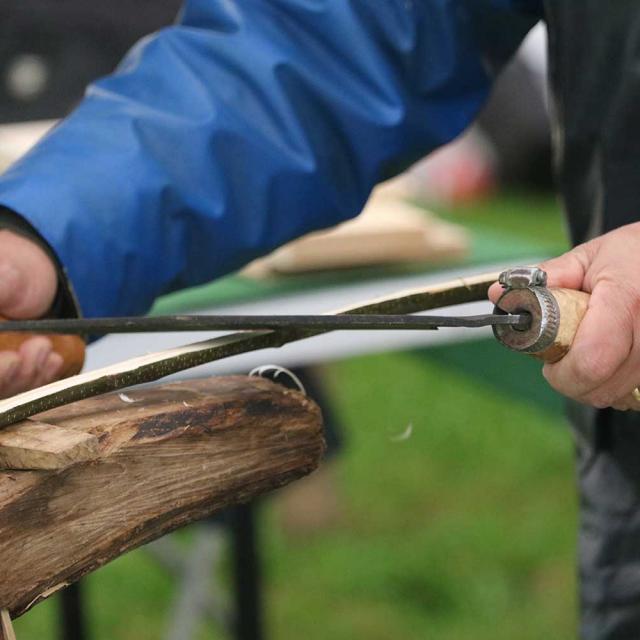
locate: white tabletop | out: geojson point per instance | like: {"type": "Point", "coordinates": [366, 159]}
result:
{"type": "Point", "coordinates": [319, 349]}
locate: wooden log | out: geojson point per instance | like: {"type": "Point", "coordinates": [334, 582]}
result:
{"type": "Point", "coordinates": [167, 456]}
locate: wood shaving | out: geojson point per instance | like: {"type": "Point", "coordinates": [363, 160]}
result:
{"type": "Point", "coordinates": [405, 435]}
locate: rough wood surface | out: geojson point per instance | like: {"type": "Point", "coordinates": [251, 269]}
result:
{"type": "Point", "coordinates": [33, 445]}
{"type": "Point", "coordinates": [167, 455]}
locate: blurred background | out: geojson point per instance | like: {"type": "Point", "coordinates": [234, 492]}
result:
{"type": "Point", "coordinates": [446, 509]}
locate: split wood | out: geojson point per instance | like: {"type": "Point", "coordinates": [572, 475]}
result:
{"type": "Point", "coordinates": [158, 458]}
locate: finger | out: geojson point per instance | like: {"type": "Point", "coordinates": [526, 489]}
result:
{"type": "Point", "coordinates": [33, 354]}
{"type": "Point", "coordinates": [9, 364]}
{"type": "Point", "coordinates": [628, 403]}
{"type": "Point", "coordinates": [626, 406]}
{"type": "Point", "coordinates": [617, 389]}
{"type": "Point", "coordinates": [603, 342]}
{"type": "Point", "coordinates": [495, 291]}
{"type": "Point", "coordinates": [617, 392]}
{"type": "Point", "coordinates": [50, 371]}
{"type": "Point", "coordinates": [569, 270]}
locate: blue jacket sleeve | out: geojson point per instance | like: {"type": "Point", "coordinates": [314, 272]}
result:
{"type": "Point", "coordinates": [244, 125]}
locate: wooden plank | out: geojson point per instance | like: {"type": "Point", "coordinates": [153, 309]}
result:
{"type": "Point", "coordinates": [35, 445]}
{"type": "Point", "coordinates": [388, 231]}
{"type": "Point", "coordinates": [167, 456]}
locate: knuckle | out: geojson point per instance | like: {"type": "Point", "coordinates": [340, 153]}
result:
{"type": "Point", "coordinates": [630, 310]}
{"type": "Point", "coordinates": [601, 400]}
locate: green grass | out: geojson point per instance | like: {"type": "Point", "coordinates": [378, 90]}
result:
{"type": "Point", "coordinates": [532, 216]}
{"type": "Point", "coordinates": [464, 530]}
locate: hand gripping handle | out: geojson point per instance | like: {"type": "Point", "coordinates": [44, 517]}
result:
{"type": "Point", "coordinates": [555, 317]}
{"type": "Point", "coordinates": [71, 348]}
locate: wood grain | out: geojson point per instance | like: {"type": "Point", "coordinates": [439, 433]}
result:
{"type": "Point", "coordinates": [34, 445]}
{"type": "Point", "coordinates": [572, 305]}
{"type": "Point", "coordinates": [168, 455]}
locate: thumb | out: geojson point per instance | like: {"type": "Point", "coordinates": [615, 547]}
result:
{"type": "Point", "coordinates": [569, 269]}
{"type": "Point", "coordinates": [28, 279]}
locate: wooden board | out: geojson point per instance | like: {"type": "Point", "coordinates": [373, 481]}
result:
{"type": "Point", "coordinates": [167, 455]}
{"type": "Point", "coordinates": [388, 231]}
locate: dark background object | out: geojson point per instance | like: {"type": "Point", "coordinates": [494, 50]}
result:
{"type": "Point", "coordinates": [51, 49]}
{"type": "Point", "coordinates": [516, 121]}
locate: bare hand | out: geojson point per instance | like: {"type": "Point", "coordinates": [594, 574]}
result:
{"type": "Point", "coordinates": [28, 284]}
{"type": "Point", "coordinates": [603, 366]}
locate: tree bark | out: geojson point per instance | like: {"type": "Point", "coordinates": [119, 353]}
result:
{"type": "Point", "coordinates": [166, 456]}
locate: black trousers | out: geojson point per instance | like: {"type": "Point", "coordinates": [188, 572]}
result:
{"type": "Point", "coordinates": [608, 470]}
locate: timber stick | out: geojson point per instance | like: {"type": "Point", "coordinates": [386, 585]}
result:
{"type": "Point", "coordinates": [168, 455]}
{"type": "Point", "coordinates": [163, 363]}
{"type": "Point", "coordinates": [6, 626]}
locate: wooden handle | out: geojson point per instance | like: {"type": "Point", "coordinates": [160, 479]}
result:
{"type": "Point", "coordinates": [572, 305]}
{"type": "Point", "coordinates": [555, 317]}
{"type": "Point", "coordinates": [71, 348]}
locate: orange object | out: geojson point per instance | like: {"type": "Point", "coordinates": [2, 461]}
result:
{"type": "Point", "coordinates": [71, 348]}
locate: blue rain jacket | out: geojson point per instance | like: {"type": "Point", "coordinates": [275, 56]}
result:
{"type": "Point", "coordinates": [246, 124]}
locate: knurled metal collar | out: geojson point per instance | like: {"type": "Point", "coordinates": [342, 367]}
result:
{"type": "Point", "coordinates": [541, 305]}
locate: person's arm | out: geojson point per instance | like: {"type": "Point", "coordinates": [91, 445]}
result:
{"type": "Point", "coordinates": [243, 126]}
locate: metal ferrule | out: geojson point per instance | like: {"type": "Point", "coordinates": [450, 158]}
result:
{"type": "Point", "coordinates": [543, 309]}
